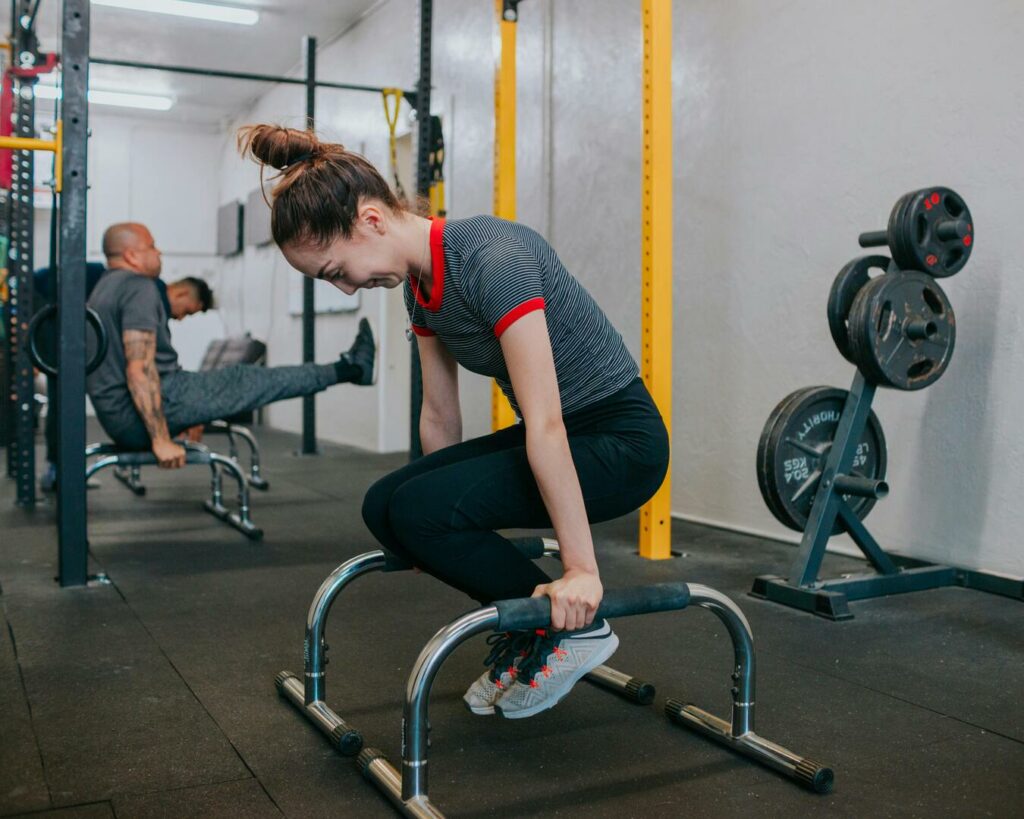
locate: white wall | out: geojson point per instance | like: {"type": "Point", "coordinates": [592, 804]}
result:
{"type": "Point", "coordinates": [165, 175]}
{"type": "Point", "coordinates": [797, 124]}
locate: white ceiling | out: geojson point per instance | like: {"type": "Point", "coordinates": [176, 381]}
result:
{"type": "Point", "coordinates": [272, 46]}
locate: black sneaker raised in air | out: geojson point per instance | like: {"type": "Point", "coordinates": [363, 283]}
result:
{"type": "Point", "coordinates": [356, 365]}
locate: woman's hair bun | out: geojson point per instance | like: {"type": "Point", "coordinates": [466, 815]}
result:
{"type": "Point", "coordinates": [276, 146]}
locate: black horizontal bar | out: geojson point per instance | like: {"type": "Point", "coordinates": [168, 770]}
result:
{"type": "Point", "coordinates": [535, 612]}
{"type": "Point", "coordinates": [234, 75]}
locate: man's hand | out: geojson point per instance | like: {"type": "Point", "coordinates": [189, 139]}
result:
{"type": "Point", "coordinates": [169, 454]}
{"type": "Point", "coordinates": [193, 434]}
{"type": "Point", "coordinates": [575, 597]}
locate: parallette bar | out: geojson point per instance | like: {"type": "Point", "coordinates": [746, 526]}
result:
{"type": "Point", "coordinates": [811, 775]}
{"type": "Point", "coordinates": [635, 690]}
{"type": "Point", "coordinates": [342, 735]}
{"type": "Point", "coordinates": [535, 612]}
{"type": "Point", "coordinates": [375, 767]}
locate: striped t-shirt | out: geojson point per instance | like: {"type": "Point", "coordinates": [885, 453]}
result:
{"type": "Point", "coordinates": [487, 273]}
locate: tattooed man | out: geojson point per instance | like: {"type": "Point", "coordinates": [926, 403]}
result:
{"type": "Point", "coordinates": [143, 398]}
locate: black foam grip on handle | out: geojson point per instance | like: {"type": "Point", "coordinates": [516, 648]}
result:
{"type": "Point", "coordinates": [531, 547]}
{"type": "Point", "coordinates": [535, 612]}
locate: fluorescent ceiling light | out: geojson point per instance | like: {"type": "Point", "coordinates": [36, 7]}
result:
{"type": "Point", "coordinates": [150, 102]}
{"type": "Point", "coordinates": [187, 8]}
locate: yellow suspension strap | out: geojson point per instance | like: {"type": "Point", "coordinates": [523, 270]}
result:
{"type": "Point", "coordinates": [392, 104]}
{"type": "Point", "coordinates": [435, 160]}
{"type": "Point", "coordinates": [656, 254]}
{"type": "Point", "coordinates": [504, 157]}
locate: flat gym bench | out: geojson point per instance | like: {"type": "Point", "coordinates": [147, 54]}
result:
{"type": "Point", "coordinates": [111, 455]}
{"type": "Point", "coordinates": [408, 790]}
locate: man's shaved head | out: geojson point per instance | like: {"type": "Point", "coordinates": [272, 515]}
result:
{"type": "Point", "coordinates": [130, 246]}
{"type": "Point", "coordinates": [124, 236]}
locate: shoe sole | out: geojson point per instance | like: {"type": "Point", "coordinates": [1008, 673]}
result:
{"type": "Point", "coordinates": [582, 671]}
{"type": "Point", "coordinates": [480, 710]}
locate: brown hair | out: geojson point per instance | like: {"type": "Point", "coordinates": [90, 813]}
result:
{"type": "Point", "coordinates": [318, 191]}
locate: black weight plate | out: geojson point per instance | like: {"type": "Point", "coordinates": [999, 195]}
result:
{"type": "Point", "coordinates": [851, 278]}
{"type": "Point", "coordinates": [903, 330]}
{"type": "Point", "coordinates": [896, 218]}
{"type": "Point", "coordinates": [856, 320]}
{"type": "Point", "coordinates": [933, 232]}
{"type": "Point", "coordinates": [799, 446]}
{"type": "Point", "coordinates": [762, 448]}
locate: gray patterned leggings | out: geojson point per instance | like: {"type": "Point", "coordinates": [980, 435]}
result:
{"type": "Point", "coordinates": [191, 398]}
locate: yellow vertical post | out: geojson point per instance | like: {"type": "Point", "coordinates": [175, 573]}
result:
{"type": "Point", "coordinates": [504, 158]}
{"type": "Point", "coordinates": [656, 253]}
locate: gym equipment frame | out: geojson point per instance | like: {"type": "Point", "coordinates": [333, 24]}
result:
{"type": "Point", "coordinates": [111, 455]}
{"type": "Point", "coordinates": [408, 790]}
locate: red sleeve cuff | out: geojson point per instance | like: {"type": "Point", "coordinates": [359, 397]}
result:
{"type": "Point", "coordinates": [516, 313]}
{"type": "Point", "coordinates": [426, 332]}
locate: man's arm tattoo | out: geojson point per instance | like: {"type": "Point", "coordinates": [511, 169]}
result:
{"type": "Point", "coordinates": [144, 380]}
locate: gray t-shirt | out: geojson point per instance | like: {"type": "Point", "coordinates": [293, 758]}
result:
{"type": "Point", "coordinates": [488, 273]}
{"type": "Point", "coordinates": [126, 301]}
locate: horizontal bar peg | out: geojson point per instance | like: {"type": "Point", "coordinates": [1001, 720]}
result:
{"type": "Point", "coordinates": [861, 487]}
{"type": "Point", "coordinates": [874, 238]}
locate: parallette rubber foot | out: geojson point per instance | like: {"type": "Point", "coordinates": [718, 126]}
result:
{"type": "Point", "coordinates": [815, 777]}
{"type": "Point", "coordinates": [347, 740]}
{"type": "Point", "coordinates": [281, 679]}
{"type": "Point", "coordinates": [641, 691]}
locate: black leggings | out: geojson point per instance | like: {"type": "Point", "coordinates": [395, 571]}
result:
{"type": "Point", "coordinates": [440, 512]}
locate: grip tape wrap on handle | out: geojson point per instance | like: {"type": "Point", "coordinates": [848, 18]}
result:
{"type": "Point", "coordinates": [535, 612]}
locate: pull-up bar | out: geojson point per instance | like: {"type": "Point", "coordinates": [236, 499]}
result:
{"type": "Point", "coordinates": [244, 75]}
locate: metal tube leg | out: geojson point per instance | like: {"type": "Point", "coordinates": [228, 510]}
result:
{"type": "Point", "coordinates": [232, 447]}
{"type": "Point", "coordinates": [738, 734]}
{"type": "Point", "coordinates": [240, 520]}
{"type": "Point", "coordinates": [309, 697]}
{"type": "Point", "coordinates": [216, 502]}
{"type": "Point", "coordinates": [415, 727]}
{"type": "Point", "coordinates": [256, 479]}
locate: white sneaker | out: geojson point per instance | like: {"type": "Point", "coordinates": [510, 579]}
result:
{"type": "Point", "coordinates": [554, 666]}
{"type": "Point", "coordinates": [507, 651]}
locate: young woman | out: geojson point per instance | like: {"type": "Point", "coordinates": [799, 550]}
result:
{"type": "Point", "coordinates": [491, 296]}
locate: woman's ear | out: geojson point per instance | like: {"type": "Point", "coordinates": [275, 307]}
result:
{"type": "Point", "coordinates": [373, 218]}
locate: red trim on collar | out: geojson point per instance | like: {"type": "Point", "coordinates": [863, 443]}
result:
{"type": "Point", "coordinates": [437, 268]}
{"type": "Point", "coordinates": [516, 313]}
{"type": "Point", "coordinates": [426, 332]}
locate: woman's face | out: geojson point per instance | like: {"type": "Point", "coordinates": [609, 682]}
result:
{"type": "Point", "coordinates": [369, 258]}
